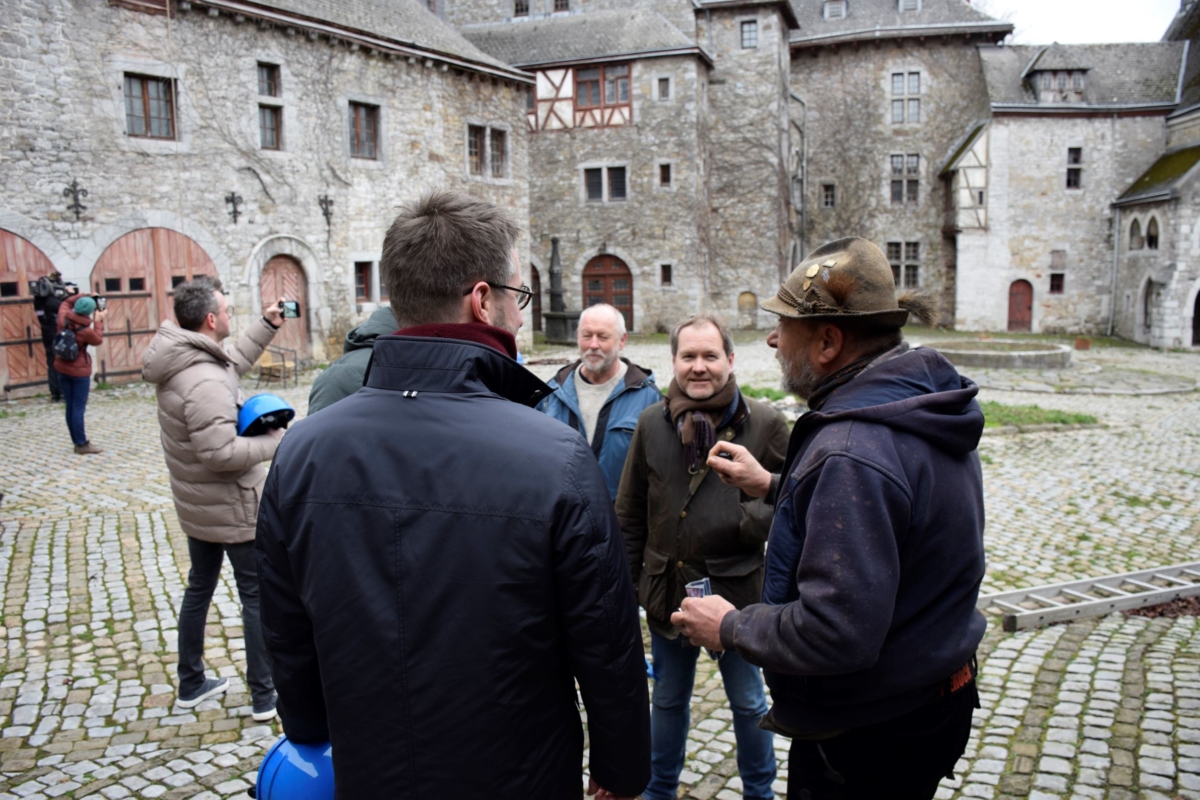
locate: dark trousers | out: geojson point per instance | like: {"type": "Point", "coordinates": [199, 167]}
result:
{"type": "Point", "coordinates": [51, 372]}
{"type": "Point", "coordinates": [901, 759]}
{"type": "Point", "coordinates": [75, 392]}
{"type": "Point", "coordinates": [207, 558]}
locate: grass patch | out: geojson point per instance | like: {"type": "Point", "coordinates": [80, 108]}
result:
{"type": "Point", "coordinates": [6, 414]}
{"type": "Point", "coordinates": [759, 393]}
{"type": "Point", "coordinates": [997, 414]}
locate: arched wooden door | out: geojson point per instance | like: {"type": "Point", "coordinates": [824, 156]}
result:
{"type": "Point", "coordinates": [22, 356]}
{"type": "Point", "coordinates": [535, 284]}
{"type": "Point", "coordinates": [138, 273]}
{"type": "Point", "coordinates": [606, 279]}
{"type": "Point", "coordinates": [747, 311]}
{"type": "Point", "coordinates": [283, 277]}
{"type": "Point", "coordinates": [1196, 322]}
{"type": "Point", "coordinates": [1020, 306]}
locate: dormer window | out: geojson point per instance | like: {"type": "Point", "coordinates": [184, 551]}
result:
{"type": "Point", "coordinates": [835, 9]}
{"type": "Point", "coordinates": [910, 5]}
{"type": "Point", "coordinates": [1060, 86]}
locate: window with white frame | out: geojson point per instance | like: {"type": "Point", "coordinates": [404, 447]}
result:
{"type": "Point", "coordinates": [663, 91]}
{"type": "Point", "coordinates": [906, 97]}
{"type": "Point", "coordinates": [906, 178]}
{"type": "Point", "coordinates": [666, 177]}
{"type": "Point", "coordinates": [828, 195]}
{"type": "Point", "coordinates": [835, 9]}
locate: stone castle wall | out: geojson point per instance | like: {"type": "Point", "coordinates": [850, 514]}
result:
{"type": "Point", "coordinates": [61, 72]}
{"type": "Point", "coordinates": [852, 136]}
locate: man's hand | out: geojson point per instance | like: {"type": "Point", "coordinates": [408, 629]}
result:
{"type": "Point", "coordinates": [700, 618]}
{"type": "Point", "coordinates": [275, 433]}
{"type": "Point", "coordinates": [98, 315]}
{"type": "Point", "coordinates": [742, 470]}
{"type": "Point", "coordinates": [600, 793]}
{"type": "Point", "coordinates": [273, 312]}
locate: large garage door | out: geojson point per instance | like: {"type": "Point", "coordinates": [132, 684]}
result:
{"type": "Point", "coordinates": [22, 356]}
{"type": "Point", "coordinates": [137, 274]}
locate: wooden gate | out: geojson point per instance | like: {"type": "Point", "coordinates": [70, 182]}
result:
{"type": "Point", "coordinates": [535, 284]}
{"type": "Point", "coordinates": [22, 356]}
{"type": "Point", "coordinates": [138, 273]}
{"type": "Point", "coordinates": [283, 277]}
{"type": "Point", "coordinates": [606, 279]}
{"type": "Point", "coordinates": [1020, 306]}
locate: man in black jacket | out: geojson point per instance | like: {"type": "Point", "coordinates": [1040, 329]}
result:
{"type": "Point", "coordinates": [440, 563]}
{"type": "Point", "coordinates": [868, 628]}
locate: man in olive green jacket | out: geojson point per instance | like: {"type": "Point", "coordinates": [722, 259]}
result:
{"type": "Point", "coordinates": [681, 525]}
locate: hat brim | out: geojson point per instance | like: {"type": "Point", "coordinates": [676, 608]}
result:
{"type": "Point", "coordinates": [890, 318]}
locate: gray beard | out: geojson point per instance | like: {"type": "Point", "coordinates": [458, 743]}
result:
{"type": "Point", "coordinates": [799, 379]}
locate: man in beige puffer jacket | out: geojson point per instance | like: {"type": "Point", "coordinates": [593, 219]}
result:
{"type": "Point", "coordinates": [216, 475]}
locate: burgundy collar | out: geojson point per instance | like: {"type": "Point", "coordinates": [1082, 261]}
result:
{"type": "Point", "coordinates": [478, 332]}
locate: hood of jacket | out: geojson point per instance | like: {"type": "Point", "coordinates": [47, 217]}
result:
{"type": "Point", "coordinates": [380, 323]}
{"type": "Point", "coordinates": [77, 320]}
{"type": "Point", "coordinates": [175, 349]}
{"type": "Point", "coordinates": [635, 376]}
{"type": "Point", "coordinates": [918, 392]}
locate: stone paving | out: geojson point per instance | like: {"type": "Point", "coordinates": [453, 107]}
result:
{"type": "Point", "coordinates": [92, 567]}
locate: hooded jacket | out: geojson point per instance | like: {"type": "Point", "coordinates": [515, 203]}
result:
{"type": "Point", "coordinates": [440, 564]}
{"type": "Point", "coordinates": [216, 475]}
{"type": "Point", "coordinates": [876, 553]}
{"type": "Point", "coordinates": [618, 416]}
{"type": "Point", "coordinates": [344, 377]}
{"type": "Point", "coordinates": [87, 331]}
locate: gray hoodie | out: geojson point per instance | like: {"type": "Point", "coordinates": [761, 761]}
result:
{"type": "Point", "coordinates": [344, 377]}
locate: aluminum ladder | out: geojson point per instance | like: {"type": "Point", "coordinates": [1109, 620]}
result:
{"type": "Point", "coordinates": [1092, 597]}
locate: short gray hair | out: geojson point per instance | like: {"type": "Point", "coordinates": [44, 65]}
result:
{"type": "Point", "coordinates": [703, 319]}
{"type": "Point", "coordinates": [439, 246]}
{"type": "Point", "coordinates": [195, 300]}
{"type": "Point", "coordinates": [617, 315]}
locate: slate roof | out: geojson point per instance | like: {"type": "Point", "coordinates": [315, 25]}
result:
{"type": "Point", "coordinates": [1117, 74]}
{"type": "Point", "coordinates": [580, 37]}
{"type": "Point", "coordinates": [404, 22]}
{"type": "Point", "coordinates": [873, 19]}
{"type": "Point", "coordinates": [1160, 181]}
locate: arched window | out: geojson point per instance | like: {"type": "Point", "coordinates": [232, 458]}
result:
{"type": "Point", "coordinates": [1135, 236]}
{"type": "Point", "coordinates": [1152, 234]}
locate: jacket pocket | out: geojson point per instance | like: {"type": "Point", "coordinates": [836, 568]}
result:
{"type": "Point", "coordinates": [248, 487]}
{"type": "Point", "coordinates": [652, 586]}
{"type": "Point", "coordinates": [738, 577]}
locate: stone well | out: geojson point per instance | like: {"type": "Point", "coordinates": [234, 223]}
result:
{"type": "Point", "coordinates": [1002, 353]}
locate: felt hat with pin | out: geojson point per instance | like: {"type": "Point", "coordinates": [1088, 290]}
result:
{"type": "Point", "coordinates": [848, 280]}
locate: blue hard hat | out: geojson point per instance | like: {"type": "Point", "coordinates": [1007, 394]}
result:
{"type": "Point", "coordinates": [291, 771]}
{"type": "Point", "coordinates": [262, 413]}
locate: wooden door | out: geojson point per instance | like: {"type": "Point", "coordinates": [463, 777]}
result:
{"type": "Point", "coordinates": [747, 311]}
{"type": "Point", "coordinates": [1020, 306]}
{"type": "Point", "coordinates": [1196, 322]}
{"type": "Point", "coordinates": [283, 277]}
{"type": "Point", "coordinates": [535, 284]}
{"type": "Point", "coordinates": [606, 279]}
{"type": "Point", "coordinates": [22, 355]}
{"type": "Point", "coordinates": [138, 273]}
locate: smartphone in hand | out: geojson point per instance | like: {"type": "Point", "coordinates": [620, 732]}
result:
{"type": "Point", "coordinates": [290, 308]}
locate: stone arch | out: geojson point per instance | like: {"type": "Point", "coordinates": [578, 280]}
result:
{"type": "Point", "coordinates": [1192, 308]}
{"type": "Point", "coordinates": [1152, 233]}
{"type": "Point", "coordinates": [613, 285]}
{"type": "Point", "coordinates": [103, 238]}
{"type": "Point", "coordinates": [1145, 310]}
{"type": "Point", "coordinates": [44, 240]}
{"type": "Point", "coordinates": [317, 312]}
{"type": "Point", "coordinates": [1135, 235]}
{"type": "Point", "coordinates": [22, 351]}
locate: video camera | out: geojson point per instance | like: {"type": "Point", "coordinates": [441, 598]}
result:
{"type": "Point", "coordinates": [45, 287]}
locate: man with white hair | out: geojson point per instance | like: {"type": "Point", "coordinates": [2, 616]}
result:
{"type": "Point", "coordinates": [602, 394]}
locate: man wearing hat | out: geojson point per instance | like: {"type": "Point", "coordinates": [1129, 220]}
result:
{"type": "Point", "coordinates": [867, 627]}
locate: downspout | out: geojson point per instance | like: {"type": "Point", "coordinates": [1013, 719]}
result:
{"type": "Point", "coordinates": [803, 175]}
{"type": "Point", "coordinates": [1112, 304]}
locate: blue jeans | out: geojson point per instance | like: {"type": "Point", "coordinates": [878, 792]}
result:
{"type": "Point", "coordinates": [75, 392]}
{"type": "Point", "coordinates": [670, 714]}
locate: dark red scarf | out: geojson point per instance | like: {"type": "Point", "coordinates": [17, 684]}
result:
{"type": "Point", "coordinates": [477, 332]}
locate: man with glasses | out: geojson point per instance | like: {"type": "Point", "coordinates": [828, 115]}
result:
{"type": "Point", "coordinates": [216, 475]}
{"type": "Point", "coordinates": [440, 563]}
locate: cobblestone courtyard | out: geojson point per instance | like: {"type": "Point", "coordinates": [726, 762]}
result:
{"type": "Point", "coordinates": [92, 566]}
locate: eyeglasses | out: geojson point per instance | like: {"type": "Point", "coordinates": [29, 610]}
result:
{"type": "Point", "coordinates": [524, 293]}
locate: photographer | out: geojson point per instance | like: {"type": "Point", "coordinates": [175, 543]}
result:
{"type": "Point", "coordinates": [79, 315]}
{"type": "Point", "coordinates": [48, 295]}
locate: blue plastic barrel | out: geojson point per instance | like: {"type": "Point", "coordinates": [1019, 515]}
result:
{"type": "Point", "coordinates": [291, 771]}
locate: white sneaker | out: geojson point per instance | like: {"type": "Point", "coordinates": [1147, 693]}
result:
{"type": "Point", "coordinates": [265, 713]}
